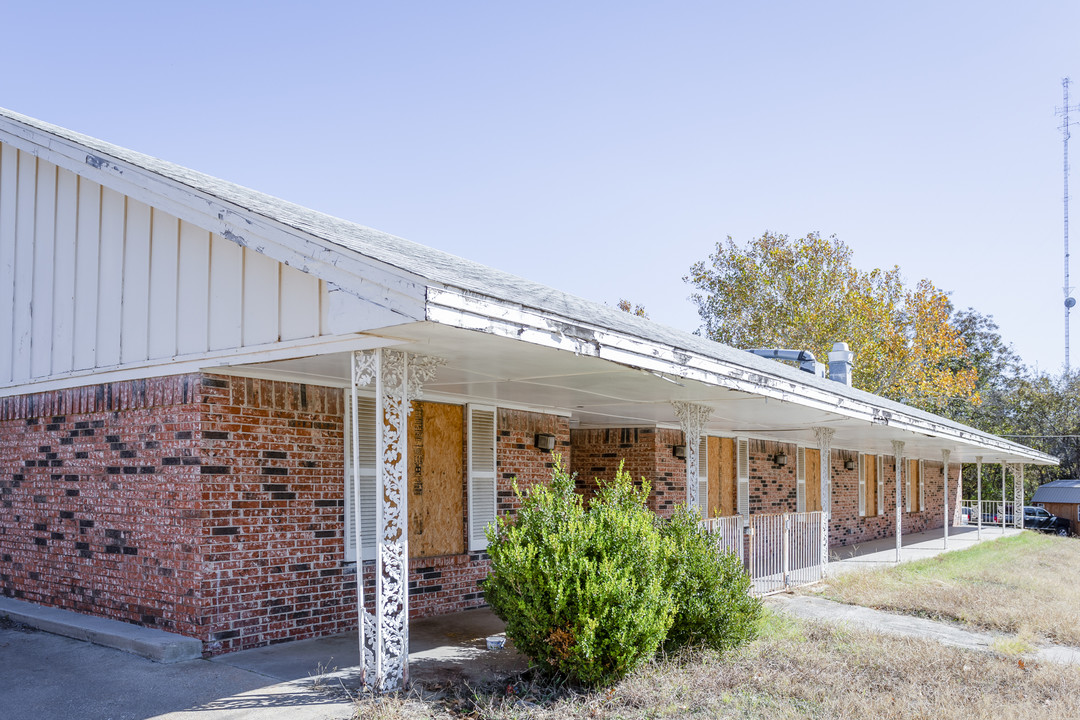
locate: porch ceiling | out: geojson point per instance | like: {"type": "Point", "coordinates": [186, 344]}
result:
{"type": "Point", "coordinates": [594, 392]}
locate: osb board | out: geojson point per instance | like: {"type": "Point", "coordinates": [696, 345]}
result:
{"type": "Point", "coordinates": [722, 479]}
{"type": "Point", "coordinates": [813, 480]}
{"type": "Point", "coordinates": [870, 473]}
{"type": "Point", "coordinates": [913, 480]}
{"type": "Point", "coordinates": [436, 434]}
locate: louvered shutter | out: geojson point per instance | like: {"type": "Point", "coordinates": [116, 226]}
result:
{"type": "Point", "coordinates": [880, 484]}
{"type": "Point", "coordinates": [742, 471]}
{"type": "Point", "coordinates": [862, 486]}
{"type": "Point", "coordinates": [365, 426]}
{"type": "Point", "coordinates": [703, 477]}
{"type": "Point", "coordinates": [922, 498]}
{"type": "Point", "coordinates": [481, 454]}
{"type": "Point", "coordinates": [800, 480]}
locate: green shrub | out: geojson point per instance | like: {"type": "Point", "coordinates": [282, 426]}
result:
{"type": "Point", "coordinates": [581, 591]}
{"type": "Point", "coordinates": [711, 589]}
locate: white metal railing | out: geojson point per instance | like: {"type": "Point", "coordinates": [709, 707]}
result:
{"type": "Point", "coordinates": [728, 533]}
{"type": "Point", "coordinates": [785, 551]}
{"type": "Point", "coordinates": [993, 512]}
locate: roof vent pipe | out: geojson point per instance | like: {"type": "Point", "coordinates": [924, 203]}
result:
{"type": "Point", "coordinates": [841, 363]}
{"type": "Point", "coordinates": [805, 358]}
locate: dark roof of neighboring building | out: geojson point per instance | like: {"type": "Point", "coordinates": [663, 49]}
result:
{"type": "Point", "coordinates": [1058, 491]}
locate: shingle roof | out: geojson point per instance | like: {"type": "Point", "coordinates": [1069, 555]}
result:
{"type": "Point", "coordinates": [441, 268]}
{"type": "Point", "coordinates": [1058, 491]}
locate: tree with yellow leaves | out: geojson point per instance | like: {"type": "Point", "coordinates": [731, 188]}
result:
{"type": "Point", "coordinates": [806, 294]}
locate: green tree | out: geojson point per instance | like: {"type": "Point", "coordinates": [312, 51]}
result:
{"type": "Point", "coordinates": [806, 294]}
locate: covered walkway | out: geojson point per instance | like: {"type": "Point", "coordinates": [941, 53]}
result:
{"type": "Point", "coordinates": [916, 546]}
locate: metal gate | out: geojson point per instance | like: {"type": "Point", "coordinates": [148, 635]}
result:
{"type": "Point", "coordinates": [728, 534]}
{"type": "Point", "coordinates": [785, 551]}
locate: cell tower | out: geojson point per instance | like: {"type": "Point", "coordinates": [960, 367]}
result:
{"type": "Point", "coordinates": [1070, 301]}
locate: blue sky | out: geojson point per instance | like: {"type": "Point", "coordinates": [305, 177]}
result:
{"type": "Point", "coordinates": [603, 147]}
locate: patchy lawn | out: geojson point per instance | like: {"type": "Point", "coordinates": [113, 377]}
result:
{"type": "Point", "coordinates": [794, 670]}
{"type": "Point", "coordinates": [1024, 585]}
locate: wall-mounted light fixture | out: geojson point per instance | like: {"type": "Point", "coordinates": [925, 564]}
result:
{"type": "Point", "coordinates": [780, 459]}
{"type": "Point", "coordinates": [849, 464]}
{"type": "Point", "coordinates": [679, 451]}
{"type": "Point", "coordinates": [545, 442]}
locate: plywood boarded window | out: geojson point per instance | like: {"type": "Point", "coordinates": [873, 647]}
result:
{"type": "Point", "coordinates": [813, 479]}
{"type": "Point", "coordinates": [869, 481]}
{"type": "Point", "coordinates": [723, 501]}
{"type": "Point", "coordinates": [360, 435]}
{"type": "Point", "coordinates": [481, 455]}
{"type": "Point", "coordinates": [436, 435]}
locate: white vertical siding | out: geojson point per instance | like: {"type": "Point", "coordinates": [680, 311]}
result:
{"type": "Point", "coordinates": [226, 292]}
{"type": "Point", "coordinates": [67, 207]}
{"type": "Point", "coordinates": [41, 306]}
{"type": "Point", "coordinates": [262, 281]}
{"type": "Point", "coordinates": [111, 278]}
{"type": "Point", "coordinates": [87, 253]}
{"type": "Point", "coordinates": [135, 302]}
{"type": "Point", "coordinates": [164, 271]}
{"type": "Point", "coordinates": [24, 266]}
{"type": "Point", "coordinates": [9, 176]}
{"type": "Point", "coordinates": [91, 278]}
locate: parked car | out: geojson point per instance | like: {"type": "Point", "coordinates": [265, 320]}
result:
{"type": "Point", "coordinates": [1037, 518]}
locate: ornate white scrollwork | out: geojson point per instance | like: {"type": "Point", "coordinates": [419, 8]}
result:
{"type": "Point", "coordinates": [898, 454]}
{"type": "Point", "coordinates": [398, 379]}
{"type": "Point", "coordinates": [824, 437]}
{"type": "Point", "coordinates": [692, 418]}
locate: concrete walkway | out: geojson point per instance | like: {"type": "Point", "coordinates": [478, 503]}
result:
{"type": "Point", "coordinates": [879, 554]}
{"type": "Point", "coordinates": [46, 676]}
{"type": "Point", "coordinates": [916, 546]}
{"type": "Point", "coordinates": [820, 609]}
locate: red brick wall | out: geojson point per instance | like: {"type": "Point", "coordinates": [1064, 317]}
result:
{"type": "Point", "coordinates": [100, 501]}
{"type": "Point", "coordinates": [848, 528]}
{"type": "Point", "coordinates": [772, 487]}
{"type": "Point", "coordinates": [517, 457]}
{"type": "Point", "coordinates": [645, 453]}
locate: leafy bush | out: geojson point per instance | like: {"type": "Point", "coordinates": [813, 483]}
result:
{"type": "Point", "coordinates": [581, 591]}
{"type": "Point", "coordinates": [711, 589]}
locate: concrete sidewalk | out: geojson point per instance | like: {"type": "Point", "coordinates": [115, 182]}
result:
{"type": "Point", "coordinates": [916, 546]}
{"type": "Point", "coordinates": [820, 609]}
{"type": "Point", "coordinates": [49, 677]}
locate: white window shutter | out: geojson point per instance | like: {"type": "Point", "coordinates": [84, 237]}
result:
{"type": "Point", "coordinates": [482, 485]}
{"type": "Point", "coordinates": [800, 480]}
{"type": "Point", "coordinates": [880, 484]}
{"type": "Point", "coordinates": [862, 486]}
{"type": "Point", "coordinates": [922, 474]}
{"type": "Point", "coordinates": [365, 418]}
{"type": "Point", "coordinates": [907, 484]}
{"type": "Point", "coordinates": [742, 470]}
{"type": "Point", "coordinates": [703, 477]}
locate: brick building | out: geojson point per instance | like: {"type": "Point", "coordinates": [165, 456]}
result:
{"type": "Point", "coordinates": [215, 406]}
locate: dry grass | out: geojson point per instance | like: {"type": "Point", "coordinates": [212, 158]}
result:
{"type": "Point", "coordinates": [795, 670]}
{"type": "Point", "coordinates": [1023, 585]}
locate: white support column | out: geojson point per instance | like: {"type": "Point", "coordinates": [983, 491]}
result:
{"type": "Point", "coordinates": [692, 418]}
{"type": "Point", "coordinates": [364, 369]}
{"type": "Point", "coordinates": [978, 495]}
{"type": "Point", "coordinates": [945, 487]}
{"type": "Point", "coordinates": [398, 379]}
{"type": "Point", "coordinates": [824, 438]}
{"type": "Point", "coordinates": [1018, 495]}
{"type": "Point", "coordinates": [898, 452]}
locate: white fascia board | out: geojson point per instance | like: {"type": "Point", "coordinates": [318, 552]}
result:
{"type": "Point", "coordinates": [469, 311]}
{"type": "Point", "coordinates": [392, 288]}
{"type": "Point", "coordinates": [216, 361]}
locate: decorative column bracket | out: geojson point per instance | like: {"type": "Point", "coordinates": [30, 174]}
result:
{"type": "Point", "coordinates": [384, 639]}
{"type": "Point", "coordinates": [1018, 495]}
{"type": "Point", "coordinates": [824, 438]}
{"type": "Point", "coordinates": [692, 418]}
